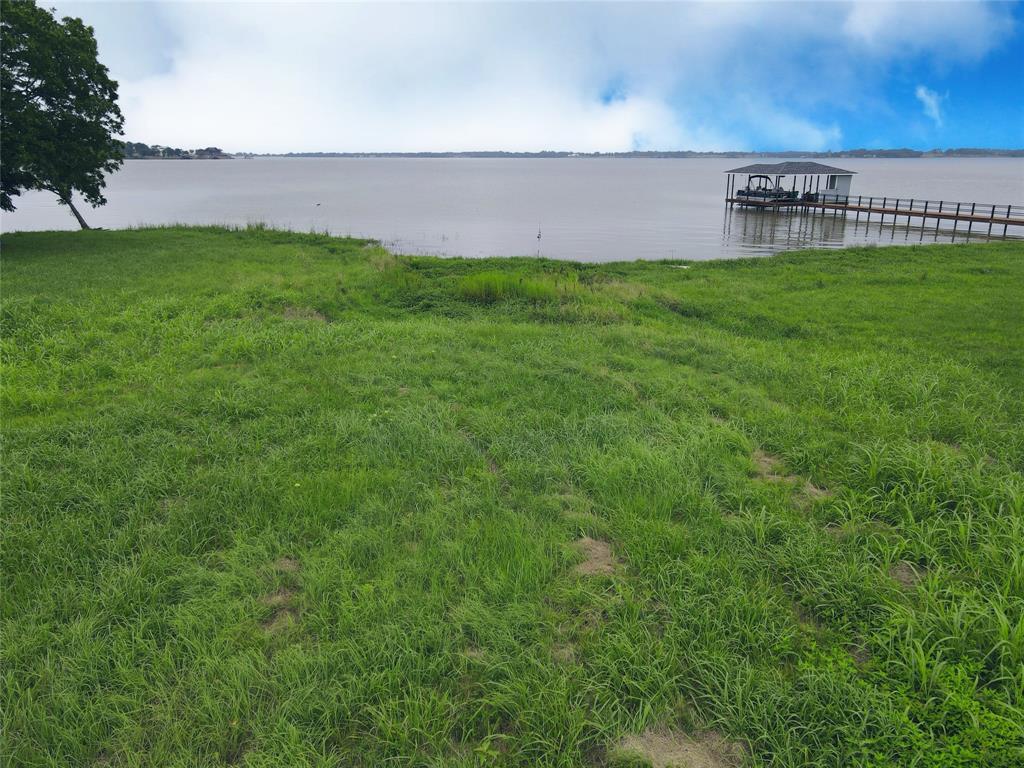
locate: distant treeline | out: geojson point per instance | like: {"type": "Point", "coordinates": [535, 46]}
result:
{"type": "Point", "coordinates": [135, 150]}
{"type": "Point", "coordinates": [961, 152]}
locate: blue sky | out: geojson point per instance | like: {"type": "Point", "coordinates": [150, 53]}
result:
{"type": "Point", "coordinates": [428, 76]}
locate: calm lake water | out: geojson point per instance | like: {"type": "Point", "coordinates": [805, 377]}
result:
{"type": "Point", "coordinates": [583, 208]}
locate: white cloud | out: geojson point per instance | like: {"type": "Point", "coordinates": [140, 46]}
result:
{"type": "Point", "coordinates": [426, 76]}
{"type": "Point", "coordinates": [931, 103]}
{"type": "Point", "coordinates": [955, 31]}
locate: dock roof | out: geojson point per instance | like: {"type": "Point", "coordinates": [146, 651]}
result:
{"type": "Point", "coordinates": [791, 168]}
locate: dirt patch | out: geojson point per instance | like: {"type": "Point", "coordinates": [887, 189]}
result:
{"type": "Point", "coordinates": [280, 619]}
{"type": "Point", "coordinates": [771, 468]}
{"type": "Point", "coordinates": [599, 558]}
{"type": "Point", "coordinates": [812, 492]}
{"type": "Point", "coordinates": [564, 653]}
{"type": "Point", "coordinates": [283, 610]}
{"type": "Point", "coordinates": [671, 749]}
{"type": "Point", "coordinates": [287, 565]}
{"type": "Point", "coordinates": [283, 597]}
{"type": "Point", "coordinates": [303, 313]}
{"type": "Point", "coordinates": [905, 574]}
{"type": "Point", "coordinates": [474, 653]}
{"type": "Point", "coordinates": [765, 463]}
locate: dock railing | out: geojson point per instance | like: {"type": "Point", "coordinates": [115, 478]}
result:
{"type": "Point", "coordinates": [915, 207]}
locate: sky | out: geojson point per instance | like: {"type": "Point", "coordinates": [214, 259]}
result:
{"type": "Point", "coordinates": [588, 76]}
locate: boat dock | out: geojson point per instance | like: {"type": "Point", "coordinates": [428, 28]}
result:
{"type": "Point", "coordinates": [765, 190]}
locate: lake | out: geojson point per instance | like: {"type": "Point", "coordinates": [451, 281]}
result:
{"type": "Point", "coordinates": [588, 209]}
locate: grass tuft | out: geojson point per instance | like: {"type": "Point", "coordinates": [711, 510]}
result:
{"type": "Point", "coordinates": [492, 287]}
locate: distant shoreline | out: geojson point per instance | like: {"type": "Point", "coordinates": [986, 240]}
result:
{"type": "Point", "coordinates": [214, 153]}
{"type": "Point", "coordinates": [219, 157]}
{"type": "Point", "coordinates": [683, 155]}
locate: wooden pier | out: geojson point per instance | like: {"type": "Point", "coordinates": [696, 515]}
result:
{"type": "Point", "coordinates": [765, 189]}
{"type": "Point", "coordinates": [985, 214]}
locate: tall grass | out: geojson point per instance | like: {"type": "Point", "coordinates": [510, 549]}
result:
{"type": "Point", "coordinates": [282, 499]}
{"type": "Point", "coordinates": [495, 286]}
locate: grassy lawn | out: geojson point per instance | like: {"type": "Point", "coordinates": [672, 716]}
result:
{"type": "Point", "coordinates": [274, 499]}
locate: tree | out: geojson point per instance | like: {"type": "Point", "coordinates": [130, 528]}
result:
{"type": "Point", "coordinates": [58, 108]}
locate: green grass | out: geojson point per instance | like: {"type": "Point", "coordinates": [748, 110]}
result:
{"type": "Point", "coordinates": [281, 499]}
{"type": "Point", "coordinates": [509, 285]}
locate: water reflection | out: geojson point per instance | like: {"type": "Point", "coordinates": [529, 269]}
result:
{"type": "Point", "coordinates": [762, 232]}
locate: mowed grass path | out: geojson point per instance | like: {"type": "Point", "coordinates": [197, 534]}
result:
{"type": "Point", "coordinates": [274, 499]}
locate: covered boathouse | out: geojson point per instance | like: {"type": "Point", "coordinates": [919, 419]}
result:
{"type": "Point", "coordinates": [768, 184]}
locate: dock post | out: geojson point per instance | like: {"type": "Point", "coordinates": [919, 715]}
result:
{"type": "Point", "coordinates": [857, 220]}
{"type": "Point", "coordinates": [924, 218]}
{"type": "Point", "coordinates": [910, 209]}
{"type": "Point", "coordinates": [938, 220]}
{"type": "Point", "coordinates": [970, 224]}
{"type": "Point", "coordinates": [1009, 208]}
{"type": "Point", "coordinates": [990, 220]}
{"type": "Point", "coordinates": [885, 200]}
{"type": "Point", "coordinates": [871, 202]}
{"type": "Point", "coordinates": [955, 220]}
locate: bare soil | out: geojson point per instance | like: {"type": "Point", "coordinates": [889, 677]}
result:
{"type": "Point", "coordinates": [303, 313]}
{"type": "Point", "coordinates": [280, 598]}
{"type": "Point", "coordinates": [812, 492]}
{"type": "Point", "coordinates": [905, 574]}
{"type": "Point", "coordinates": [287, 565]}
{"type": "Point", "coordinates": [564, 653]}
{"type": "Point", "coordinates": [770, 467]}
{"type": "Point", "coordinates": [672, 749]}
{"type": "Point", "coordinates": [599, 558]}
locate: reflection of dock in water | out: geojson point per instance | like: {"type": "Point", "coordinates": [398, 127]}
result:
{"type": "Point", "coordinates": [790, 229]}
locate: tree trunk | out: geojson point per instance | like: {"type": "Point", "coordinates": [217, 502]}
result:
{"type": "Point", "coordinates": [71, 205]}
